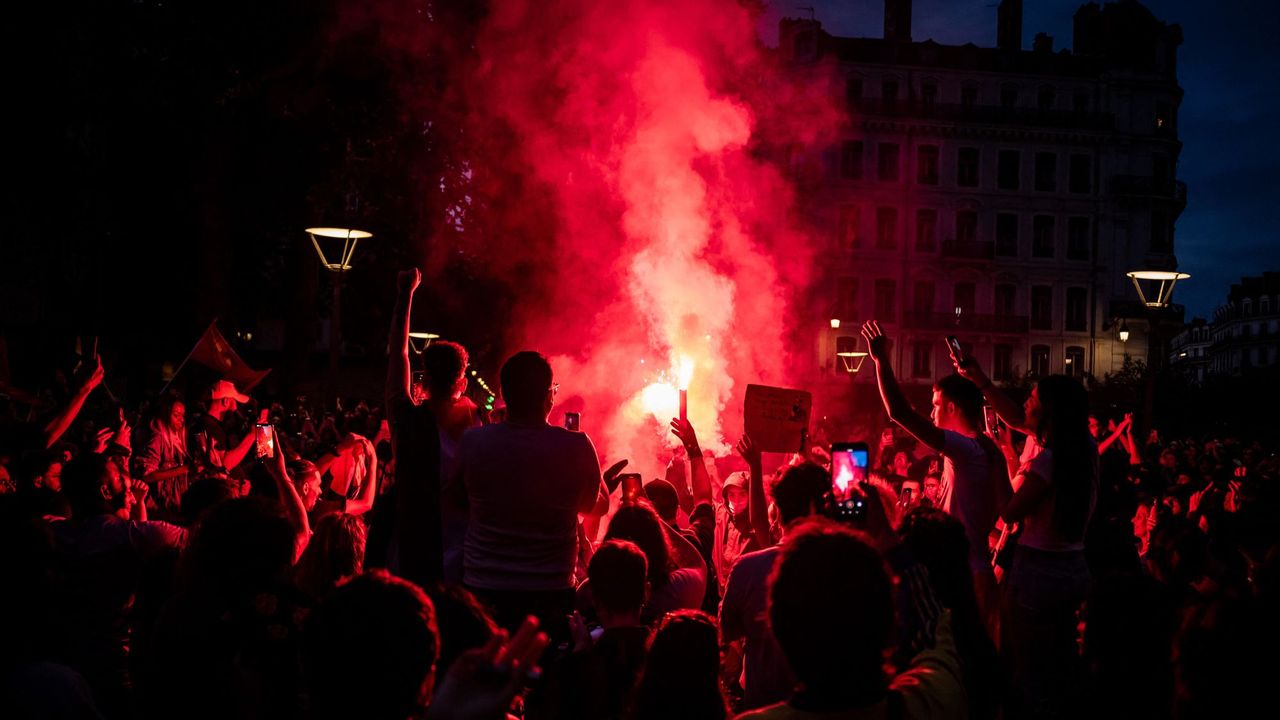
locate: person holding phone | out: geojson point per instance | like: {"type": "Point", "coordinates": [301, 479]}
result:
{"type": "Point", "coordinates": [975, 481]}
{"type": "Point", "coordinates": [213, 440]}
{"type": "Point", "coordinates": [1054, 494]}
{"type": "Point", "coordinates": [527, 482]}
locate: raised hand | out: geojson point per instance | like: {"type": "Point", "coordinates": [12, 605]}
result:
{"type": "Point", "coordinates": [408, 280]}
{"type": "Point", "coordinates": [877, 341]}
{"type": "Point", "coordinates": [749, 451]}
{"type": "Point", "coordinates": [482, 682]}
{"type": "Point", "coordinates": [611, 475]}
{"type": "Point", "coordinates": [683, 430]}
{"type": "Point", "coordinates": [95, 376]}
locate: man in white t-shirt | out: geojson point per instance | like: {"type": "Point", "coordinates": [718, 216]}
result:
{"type": "Point", "coordinates": [975, 480]}
{"type": "Point", "coordinates": [526, 484]}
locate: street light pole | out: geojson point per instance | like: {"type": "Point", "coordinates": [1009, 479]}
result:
{"type": "Point", "coordinates": [337, 261]}
{"type": "Point", "coordinates": [1156, 299]}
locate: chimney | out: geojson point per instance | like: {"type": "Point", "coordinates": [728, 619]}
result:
{"type": "Point", "coordinates": [1009, 25]}
{"type": "Point", "coordinates": [897, 20]}
{"type": "Point", "coordinates": [1043, 43]}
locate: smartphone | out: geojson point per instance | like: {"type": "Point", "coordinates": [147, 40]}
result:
{"type": "Point", "coordinates": [848, 467]}
{"type": "Point", "coordinates": [418, 389]}
{"type": "Point", "coordinates": [573, 421]}
{"type": "Point", "coordinates": [632, 487]}
{"type": "Point", "coordinates": [264, 441]}
{"type": "Point", "coordinates": [956, 351]}
{"type": "Point", "coordinates": [990, 418]}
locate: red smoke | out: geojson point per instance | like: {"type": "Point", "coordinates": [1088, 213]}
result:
{"type": "Point", "coordinates": [627, 144]}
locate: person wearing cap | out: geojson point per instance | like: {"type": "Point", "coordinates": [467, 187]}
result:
{"type": "Point", "coordinates": [212, 437]}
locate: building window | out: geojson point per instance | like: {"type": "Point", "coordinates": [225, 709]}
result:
{"type": "Point", "coordinates": [853, 91]}
{"type": "Point", "coordinates": [847, 298]}
{"type": "Point", "coordinates": [926, 230]}
{"type": "Point", "coordinates": [1007, 234]}
{"type": "Point", "coordinates": [1160, 172]}
{"type": "Point", "coordinates": [1080, 102]}
{"type": "Point", "coordinates": [1010, 169]}
{"type": "Point", "coordinates": [1009, 96]}
{"type": "Point", "coordinates": [968, 97]}
{"type": "Point", "coordinates": [1081, 172]}
{"type": "Point", "coordinates": [1078, 238]}
{"type": "Point", "coordinates": [1046, 172]}
{"type": "Point", "coordinates": [1042, 307]}
{"type": "Point", "coordinates": [1042, 240]}
{"type": "Point", "coordinates": [927, 165]}
{"type": "Point", "coordinates": [966, 226]}
{"type": "Point", "coordinates": [1073, 363]}
{"type": "Point", "coordinates": [851, 160]}
{"type": "Point", "coordinates": [850, 219]}
{"type": "Point", "coordinates": [1002, 366]}
{"type": "Point", "coordinates": [889, 94]}
{"type": "Point", "coordinates": [1164, 117]}
{"type": "Point", "coordinates": [921, 360]}
{"type": "Point", "coordinates": [888, 162]}
{"type": "Point", "coordinates": [967, 167]}
{"type": "Point", "coordinates": [928, 95]}
{"type": "Point", "coordinates": [1264, 305]}
{"type": "Point", "coordinates": [1045, 98]}
{"type": "Point", "coordinates": [886, 306]}
{"type": "Point", "coordinates": [966, 298]}
{"type": "Point", "coordinates": [1160, 236]}
{"type": "Point", "coordinates": [1039, 360]}
{"type": "Point", "coordinates": [1077, 309]}
{"type": "Point", "coordinates": [1006, 299]}
{"type": "Point", "coordinates": [886, 228]}
{"type": "Point", "coordinates": [922, 297]}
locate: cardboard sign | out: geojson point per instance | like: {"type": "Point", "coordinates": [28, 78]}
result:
{"type": "Point", "coordinates": [777, 419]}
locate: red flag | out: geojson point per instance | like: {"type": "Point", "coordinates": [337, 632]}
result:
{"type": "Point", "coordinates": [213, 351]}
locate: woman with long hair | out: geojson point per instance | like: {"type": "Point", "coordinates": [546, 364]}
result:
{"type": "Point", "coordinates": [1054, 493]}
{"type": "Point", "coordinates": [677, 575]}
{"type": "Point", "coordinates": [681, 678]}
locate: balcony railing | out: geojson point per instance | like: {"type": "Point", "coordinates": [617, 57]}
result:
{"type": "Point", "coordinates": [968, 249]}
{"type": "Point", "coordinates": [990, 114]}
{"type": "Point", "coordinates": [970, 322]}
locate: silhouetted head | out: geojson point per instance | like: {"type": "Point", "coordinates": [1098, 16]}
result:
{"type": "Point", "coordinates": [526, 384]}
{"type": "Point", "coordinates": [445, 364]}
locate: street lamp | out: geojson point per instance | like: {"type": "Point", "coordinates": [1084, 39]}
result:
{"type": "Point", "coordinates": [835, 323]}
{"type": "Point", "coordinates": [1161, 282]}
{"type": "Point", "coordinates": [850, 357]}
{"type": "Point", "coordinates": [1156, 296]}
{"type": "Point", "coordinates": [341, 243]}
{"type": "Point", "coordinates": [1124, 331]}
{"type": "Point", "coordinates": [420, 341]}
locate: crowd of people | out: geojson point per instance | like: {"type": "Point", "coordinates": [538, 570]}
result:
{"type": "Point", "coordinates": [421, 558]}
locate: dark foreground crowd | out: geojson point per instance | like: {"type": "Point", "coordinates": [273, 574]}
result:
{"type": "Point", "coordinates": [213, 559]}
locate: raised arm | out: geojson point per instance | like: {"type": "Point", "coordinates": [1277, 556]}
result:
{"type": "Point", "coordinates": [757, 504]}
{"type": "Point", "coordinates": [294, 509]}
{"type": "Point", "coordinates": [698, 475]}
{"type": "Point", "coordinates": [1119, 431]}
{"type": "Point", "coordinates": [1008, 410]}
{"type": "Point", "coordinates": [398, 379]}
{"type": "Point", "coordinates": [369, 489]}
{"type": "Point", "coordinates": [895, 402]}
{"type": "Point", "coordinates": [237, 454]}
{"type": "Point", "coordinates": [56, 427]}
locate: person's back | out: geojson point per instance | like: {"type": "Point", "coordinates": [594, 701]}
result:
{"type": "Point", "coordinates": [525, 486]}
{"type": "Point", "coordinates": [766, 676]}
{"type": "Point", "coordinates": [526, 483]}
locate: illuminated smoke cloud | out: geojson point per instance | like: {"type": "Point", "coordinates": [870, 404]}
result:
{"type": "Point", "coordinates": [646, 230]}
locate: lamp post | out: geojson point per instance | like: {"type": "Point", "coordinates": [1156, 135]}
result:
{"type": "Point", "coordinates": [420, 341]}
{"type": "Point", "coordinates": [341, 243]}
{"type": "Point", "coordinates": [1155, 290]}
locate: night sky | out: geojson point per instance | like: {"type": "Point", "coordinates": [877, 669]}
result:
{"type": "Point", "coordinates": [1227, 66]}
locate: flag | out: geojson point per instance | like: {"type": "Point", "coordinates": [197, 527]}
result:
{"type": "Point", "coordinates": [214, 352]}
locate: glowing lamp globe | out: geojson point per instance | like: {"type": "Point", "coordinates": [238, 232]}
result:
{"type": "Point", "coordinates": [851, 361]}
{"type": "Point", "coordinates": [341, 244]}
{"type": "Point", "coordinates": [1158, 290]}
